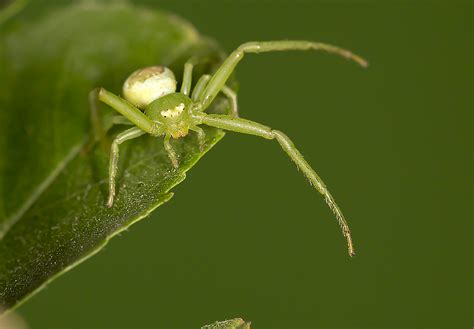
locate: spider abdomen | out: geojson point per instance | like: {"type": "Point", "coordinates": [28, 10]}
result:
{"type": "Point", "coordinates": [148, 84]}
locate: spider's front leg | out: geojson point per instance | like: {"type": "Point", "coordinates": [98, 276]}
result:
{"type": "Point", "coordinates": [134, 116]}
{"type": "Point", "coordinates": [130, 112]}
{"type": "Point", "coordinates": [253, 128]}
{"type": "Point", "coordinates": [219, 79]}
{"type": "Point", "coordinates": [100, 128]}
{"type": "Point", "coordinates": [114, 156]}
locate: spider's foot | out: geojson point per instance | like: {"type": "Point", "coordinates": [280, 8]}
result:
{"type": "Point", "coordinates": [174, 162]}
{"type": "Point", "coordinates": [202, 146]}
{"type": "Point", "coordinates": [110, 201]}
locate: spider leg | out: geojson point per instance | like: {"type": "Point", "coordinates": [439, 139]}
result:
{"type": "Point", "coordinates": [171, 152]}
{"type": "Point", "coordinates": [97, 125]}
{"type": "Point", "coordinates": [100, 126]}
{"type": "Point", "coordinates": [111, 121]}
{"type": "Point", "coordinates": [227, 91]}
{"type": "Point", "coordinates": [240, 125]}
{"type": "Point", "coordinates": [232, 97]}
{"type": "Point", "coordinates": [201, 136]}
{"type": "Point", "coordinates": [187, 78]}
{"type": "Point", "coordinates": [219, 79]}
{"type": "Point", "coordinates": [199, 88]}
{"type": "Point", "coordinates": [114, 156]}
{"type": "Point", "coordinates": [119, 120]}
{"type": "Point", "coordinates": [129, 111]}
{"type": "Point", "coordinates": [188, 74]}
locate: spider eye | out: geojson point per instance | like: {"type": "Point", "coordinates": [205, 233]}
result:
{"type": "Point", "coordinates": [148, 84]}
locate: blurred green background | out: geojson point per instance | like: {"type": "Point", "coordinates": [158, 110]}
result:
{"type": "Point", "coordinates": [246, 236]}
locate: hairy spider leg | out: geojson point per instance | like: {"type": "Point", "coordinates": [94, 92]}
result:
{"type": "Point", "coordinates": [219, 79]}
{"type": "Point", "coordinates": [245, 126]}
{"type": "Point", "coordinates": [114, 156]}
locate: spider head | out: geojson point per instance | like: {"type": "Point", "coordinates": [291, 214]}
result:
{"type": "Point", "coordinates": [172, 111]}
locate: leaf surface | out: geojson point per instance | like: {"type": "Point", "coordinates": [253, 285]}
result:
{"type": "Point", "coordinates": [53, 183]}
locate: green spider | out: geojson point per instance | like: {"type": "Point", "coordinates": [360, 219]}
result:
{"type": "Point", "coordinates": [153, 105]}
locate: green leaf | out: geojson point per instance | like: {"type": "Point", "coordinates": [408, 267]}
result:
{"type": "Point", "coordinates": [53, 185]}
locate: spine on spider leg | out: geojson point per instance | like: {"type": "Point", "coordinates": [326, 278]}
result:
{"type": "Point", "coordinates": [317, 182]}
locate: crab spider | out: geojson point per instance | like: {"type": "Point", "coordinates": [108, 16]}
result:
{"type": "Point", "coordinates": [152, 104]}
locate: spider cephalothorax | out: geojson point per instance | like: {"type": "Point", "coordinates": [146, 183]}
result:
{"type": "Point", "coordinates": [154, 107]}
{"type": "Point", "coordinates": [173, 113]}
